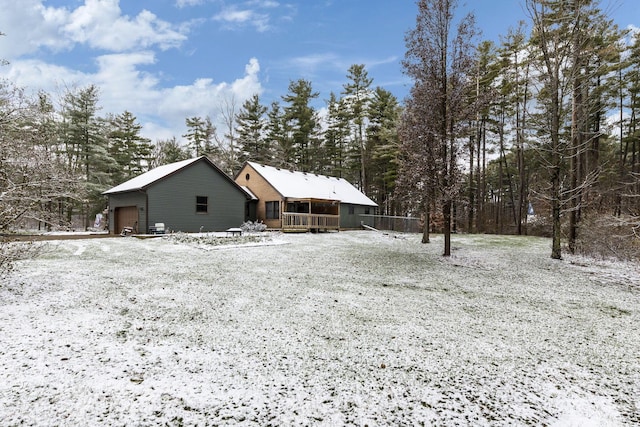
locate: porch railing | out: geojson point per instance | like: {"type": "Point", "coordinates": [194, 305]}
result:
{"type": "Point", "coordinates": [304, 221]}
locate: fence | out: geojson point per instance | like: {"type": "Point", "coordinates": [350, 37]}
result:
{"type": "Point", "coordinates": [402, 224]}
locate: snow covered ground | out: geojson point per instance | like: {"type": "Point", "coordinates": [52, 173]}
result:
{"type": "Point", "coordinates": [342, 328]}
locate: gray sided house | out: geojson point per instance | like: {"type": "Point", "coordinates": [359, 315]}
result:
{"type": "Point", "coordinates": [190, 196]}
{"type": "Point", "coordinates": [290, 200]}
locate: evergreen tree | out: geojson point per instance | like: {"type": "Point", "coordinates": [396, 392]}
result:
{"type": "Point", "coordinates": [383, 144]}
{"type": "Point", "coordinates": [357, 95]}
{"type": "Point", "coordinates": [569, 38]}
{"type": "Point", "coordinates": [553, 46]}
{"type": "Point", "coordinates": [336, 136]}
{"type": "Point", "coordinates": [515, 89]}
{"type": "Point", "coordinates": [200, 136]}
{"type": "Point", "coordinates": [87, 147]}
{"type": "Point", "coordinates": [628, 187]}
{"type": "Point", "coordinates": [250, 129]}
{"type": "Point", "coordinates": [130, 150]}
{"type": "Point", "coordinates": [302, 124]}
{"type": "Point", "coordinates": [279, 138]}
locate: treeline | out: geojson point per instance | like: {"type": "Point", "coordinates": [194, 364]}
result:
{"type": "Point", "coordinates": [58, 155]}
{"type": "Point", "coordinates": [545, 123]}
{"type": "Point", "coordinates": [57, 158]}
{"type": "Point", "coordinates": [355, 137]}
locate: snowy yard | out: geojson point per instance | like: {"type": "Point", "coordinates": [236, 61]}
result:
{"type": "Point", "coordinates": [319, 329]}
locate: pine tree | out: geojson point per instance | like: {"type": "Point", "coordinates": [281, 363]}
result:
{"type": "Point", "coordinates": [516, 90]}
{"type": "Point", "coordinates": [628, 188]}
{"type": "Point", "coordinates": [550, 37]}
{"type": "Point", "coordinates": [250, 129]}
{"type": "Point", "coordinates": [130, 150]}
{"type": "Point", "coordinates": [357, 95]}
{"type": "Point", "coordinates": [336, 136]}
{"type": "Point", "coordinates": [302, 123]}
{"type": "Point", "coordinates": [87, 147]}
{"type": "Point", "coordinates": [383, 144]}
{"type": "Point", "coordinates": [569, 38]}
{"type": "Point", "coordinates": [279, 138]}
{"type": "Point", "coordinates": [200, 136]}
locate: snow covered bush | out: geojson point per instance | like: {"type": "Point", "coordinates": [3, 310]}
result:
{"type": "Point", "coordinates": [211, 239]}
{"type": "Point", "coordinates": [252, 227]}
{"type": "Point", "coordinates": [11, 252]}
{"type": "Point", "coordinates": [608, 236]}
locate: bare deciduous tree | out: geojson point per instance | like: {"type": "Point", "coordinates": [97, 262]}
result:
{"type": "Point", "coordinates": [442, 63]}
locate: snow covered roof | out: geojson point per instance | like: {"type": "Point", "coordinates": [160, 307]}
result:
{"type": "Point", "coordinates": [148, 178]}
{"type": "Point", "coordinates": [304, 185]}
{"type": "Point", "coordinates": [249, 192]}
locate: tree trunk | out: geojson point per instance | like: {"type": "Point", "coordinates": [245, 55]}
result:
{"type": "Point", "coordinates": [556, 251]}
{"type": "Point", "coordinates": [472, 189]}
{"type": "Point", "coordinates": [427, 221]}
{"type": "Point", "coordinates": [446, 214]}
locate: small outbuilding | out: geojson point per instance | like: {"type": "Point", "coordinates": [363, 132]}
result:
{"type": "Point", "coordinates": [292, 200]}
{"type": "Point", "coordinates": [190, 196]}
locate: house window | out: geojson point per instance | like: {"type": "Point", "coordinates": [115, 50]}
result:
{"type": "Point", "coordinates": [273, 210]}
{"type": "Point", "coordinates": [352, 210]}
{"type": "Point", "coordinates": [202, 204]}
{"type": "Point", "coordinates": [366, 211]}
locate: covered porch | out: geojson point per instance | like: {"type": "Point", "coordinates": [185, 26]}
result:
{"type": "Point", "coordinates": [311, 215]}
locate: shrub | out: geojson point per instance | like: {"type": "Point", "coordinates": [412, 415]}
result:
{"type": "Point", "coordinates": [608, 236]}
{"type": "Point", "coordinates": [253, 227]}
{"type": "Point", "coordinates": [11, 252]}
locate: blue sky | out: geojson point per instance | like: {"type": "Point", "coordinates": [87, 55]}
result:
{"type": "Point", "coordinates": [165, 60]}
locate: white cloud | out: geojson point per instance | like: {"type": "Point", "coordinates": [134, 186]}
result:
{"type": "Point", "coordinates": [31, 26]}
{"type": "Point", "coordinates": [233, 17]}
{"type": "Point", "coordinates": [264, 3]}
{"type": "Point", "coordinates": [248, 85]}
{"type": "Point", "coordinates": [28, 26]}
{"type": "Point", "coordinates": [120, 49]}
{"type": "Point", "coordinates": [205, 97]}
{"type": "Point", "coordinates": [123, 85]}
{"type": "Point", "coordinates": [315, 60]}
{"type": "Point", "coordinates": [100, 24]}
{"type": "Point", "coordinates": [309, 64]}
{"type": "Point", "coordinates": [185, 3]}
{"type": "Point", "coordinates": [162, 110]}
{"type": "Point", "coordinates": [36, 74]}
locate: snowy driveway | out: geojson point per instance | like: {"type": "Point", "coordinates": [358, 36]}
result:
{"type": "Point", "coordinates": [327, 329]}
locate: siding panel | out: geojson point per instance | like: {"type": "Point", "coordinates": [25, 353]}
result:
{"type": "Point", "coordinates": [173, 200]}
{"type": "Point", "coordinates": [348, 220]}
